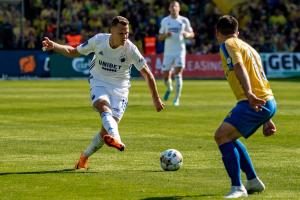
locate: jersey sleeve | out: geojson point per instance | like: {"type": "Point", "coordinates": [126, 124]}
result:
{"type": "Point", "coordinates": [234, 53]}
{"type": "Point", "coordinates": [162, 28]}
{"type": "Point", "coordinates": [188, 27]}
{"type": "Point", "coordinates": [88, 46]}
{"type": "Point", "coordinates": [137, 59]}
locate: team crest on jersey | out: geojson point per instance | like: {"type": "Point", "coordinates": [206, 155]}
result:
{"type": "Point", "coordinates": [228, 60]}
{"type": "Point", "coordinates": [122, 58]}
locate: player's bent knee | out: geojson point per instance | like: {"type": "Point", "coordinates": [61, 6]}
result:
{"type": "Point", "coordinates": [101, 106]}
{"type": "Point", "coordinates": [222, 136]}
{"type": "Point", "coordinates": [219, 138]}
{"type": "Point", "coordinates": [226, 133]}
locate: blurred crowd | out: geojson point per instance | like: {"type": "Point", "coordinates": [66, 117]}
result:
{"type": "Point", "coordinates": [268, 25]}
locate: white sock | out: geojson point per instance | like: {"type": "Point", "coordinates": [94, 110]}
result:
{"type": "Point", "coordinates": [179, 83]}
{"type": "Point", "coordinates": [95, 145]}
{"type": "Point", "coordinates": [168, 84]}
{"type": "Point", "coordinates": [110, 125]}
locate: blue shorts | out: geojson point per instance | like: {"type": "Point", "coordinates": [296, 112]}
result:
{"type": "Point", "coordinates": [246, 120]}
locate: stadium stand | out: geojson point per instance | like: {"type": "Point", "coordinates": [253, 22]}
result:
{"type": "Point", "coordinates": [277, 22]}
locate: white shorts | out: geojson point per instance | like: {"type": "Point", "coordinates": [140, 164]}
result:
{"type": "Point", "coordinates": [171, 61]}
{"type": "Point", "coordinates": [116, 97]}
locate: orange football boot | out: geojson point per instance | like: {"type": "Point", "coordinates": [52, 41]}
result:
{"type": "Point", "coordinates": [82, 162]}
{"type": "Point", "coordinates": [113, 142]}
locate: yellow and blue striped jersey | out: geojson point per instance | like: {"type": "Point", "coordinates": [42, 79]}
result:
{"type": "Point", "coordinates": [235, 50]}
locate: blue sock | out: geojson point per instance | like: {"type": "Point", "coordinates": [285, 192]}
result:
{"type": "Point", "coordinates": [231, 160]}
{"type": "Point", "coordinates": [245, 160]}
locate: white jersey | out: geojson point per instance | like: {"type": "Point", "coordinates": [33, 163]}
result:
{"type": "Point", "coordinates": [175, 44]}
{"type": "Point", "coordinates": [111, 67]}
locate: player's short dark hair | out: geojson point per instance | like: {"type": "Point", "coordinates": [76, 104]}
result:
{"type": "Point", "coordinates": [119, 20]}
{"type": "Point", "coordinates": [227, 25]}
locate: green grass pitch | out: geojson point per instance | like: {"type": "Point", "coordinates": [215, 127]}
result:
{"type": "Point", "coordinates": [45, 124]}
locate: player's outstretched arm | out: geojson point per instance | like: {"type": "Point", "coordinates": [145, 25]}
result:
{"type": "Point", "coordinates": [255, 102]}
{"type": "Point", "coordinates": [65, 50]}
{"type": "Point", "coordinates": [147, 74]}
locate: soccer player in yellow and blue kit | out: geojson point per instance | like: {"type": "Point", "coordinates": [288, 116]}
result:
{"type": "Point", "coordinates": [255, 107]}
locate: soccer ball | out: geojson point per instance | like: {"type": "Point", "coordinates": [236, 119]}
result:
{"type": "Point", "coordinates": [171, 160]}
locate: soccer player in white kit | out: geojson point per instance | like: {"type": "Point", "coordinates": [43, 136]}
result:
{"type": "Point", "coordinates": [174, 30]}
{"type": "Point", "coordinates": [109, 80]}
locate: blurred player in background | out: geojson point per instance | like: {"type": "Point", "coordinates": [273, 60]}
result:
{"type": "Point", "coordinates": [109, 80]}
{"type": "Point", "coordinates": [255, 107]}
{"type": "Point", "coordinates": [174, 30]}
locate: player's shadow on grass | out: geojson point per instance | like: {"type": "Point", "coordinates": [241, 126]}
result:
{"type": "Point", "coordinates": [48, 172]}
{"type": "Point", "coordinates": [179, 197]}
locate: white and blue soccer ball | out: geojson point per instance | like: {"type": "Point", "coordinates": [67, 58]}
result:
{"type": "Point", "coordinates": [171, 160]}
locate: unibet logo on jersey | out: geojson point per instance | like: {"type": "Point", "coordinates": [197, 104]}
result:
{"type": "Point", "coordinates": [109, 66]}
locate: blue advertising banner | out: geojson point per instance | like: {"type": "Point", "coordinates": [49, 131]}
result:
{"type": "Point", "coordinates": [24, 63]}
{"type": "Point", "coordinates": [41, 64]}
